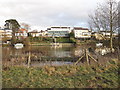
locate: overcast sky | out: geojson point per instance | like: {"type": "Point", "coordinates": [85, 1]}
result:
{"type": "Point", "coordinates": [41, 14]}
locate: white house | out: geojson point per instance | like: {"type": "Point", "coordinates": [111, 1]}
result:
{"type": "Point", "coordinates": [1, 33]}
{"type": "Point", "coordinates": [43, 33]}
{"type": "Point", "coordinates": [59, 31]}
{"type": "Point", "coordinates": [8, 33]}
{"type": "Point", "coordinates": [34, 33]}
{"type": "Point", "coordinates": [5, 36]}
{"type": "Point", "coordinates": [103, 35]}
{"type": "Point", "coordinates": [81, 33]}
{"type": "Point", "coordinates": [21, 33]}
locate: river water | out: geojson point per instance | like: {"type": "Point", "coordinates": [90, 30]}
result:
{"type": "Point", "coordinates": [45, 55]}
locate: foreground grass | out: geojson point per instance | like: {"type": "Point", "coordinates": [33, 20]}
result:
{"type": "Point", "coordinates": [62, 77]}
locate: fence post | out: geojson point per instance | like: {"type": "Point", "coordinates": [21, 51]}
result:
{"type": "Point", "coordinates": [29, 59]}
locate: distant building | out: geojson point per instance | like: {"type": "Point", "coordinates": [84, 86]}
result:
{"type": "Point", "coordinates": [7, 33]}
{"type": "Point", "coordinates": [1, 33]}
{"type": "Point", "coordinates": [102, 35]}
{"type": "Point", "coordinates": [81, 33]}
{"type": "Point", "coordinates": [58, 32]}
{"type": "Point", "coordinates": [5, 36]}
{"type": "Point", "coordinates": [107, 34]}
{"type": "Point", "coordinates": [43, 33]}
{"type": "Point", "coordinates": [21, 33]}
{"type": "Point", "coordinates": [34, 33]}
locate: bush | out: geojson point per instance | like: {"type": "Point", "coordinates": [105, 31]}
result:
{"type": "Point", "coordinates": [40, 39]}
{"type": "Point", "coordinates": [63, 40]}
{"type": "Point", "coordinates": [13, 41]}
{"type": "Point", "coordinates": [50, 39]}
{"type": "Point", "coordinates": [26, 41]}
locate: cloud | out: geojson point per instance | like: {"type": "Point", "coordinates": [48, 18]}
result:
{"type": "Point", "coordinates": [45, 13]}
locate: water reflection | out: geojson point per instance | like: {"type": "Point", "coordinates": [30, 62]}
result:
{"type": "Point", "coordinates": [44, 54]}
{"type": "Point", "coordinates": [44, 51]}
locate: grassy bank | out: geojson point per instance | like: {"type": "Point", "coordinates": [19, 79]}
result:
{"type": "Point", "coordinates": [62, 76]}
{"type": "Point", "coordinates": [85, 42]}
{"type": "Point", "coordinates": [50, 39]}
{"type": "Point", "coordinates": [49, 44]}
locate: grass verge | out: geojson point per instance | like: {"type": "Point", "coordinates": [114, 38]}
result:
{"type": "Point", "coordinates": [71, 76]}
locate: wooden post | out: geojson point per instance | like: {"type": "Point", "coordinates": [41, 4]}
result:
{"type": "Point", "coordinates": [86, 54]}
{"type": "Point", "coordinates": [92, 58]}
{"type": "Point", "coordinates": [29, 60]}
{"type": "Point", "coordinates": [118, 53]}
{"type": "Point", "coordinates": [79, 59]}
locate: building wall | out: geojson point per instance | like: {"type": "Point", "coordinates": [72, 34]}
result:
{"type": "Point", "coordinates": [60, 29]}
{"type": "Point", "coordinates": [1, 33]}
{"type": "Point", "coordinates": [21, 34]}
{"type": "Point", "coordinates": [8, 33]}
{"type": "Point", "coordinates": [82, 34]}
{"type": "Point", "coordinates": [59, 32]}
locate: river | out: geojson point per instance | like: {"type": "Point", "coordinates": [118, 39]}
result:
{"type": "Point", "coordinates": [45, 55]}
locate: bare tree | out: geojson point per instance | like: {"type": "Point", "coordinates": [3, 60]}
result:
{"type": "Point", "coordinates": [25, 26]}
{"type": "Point", "coordinates": [106, 18]}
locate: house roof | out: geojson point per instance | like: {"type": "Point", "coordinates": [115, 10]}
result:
{"type": "Point", "coordinates": [80, 28]}
{"type": "Point", "coordinates": [22, 29]}
{"type": "Point", "coordinates": [34, 31]}
{"type": "Point", "coordinates": [61, 27]}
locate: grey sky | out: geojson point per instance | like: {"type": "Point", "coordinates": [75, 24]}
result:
{"type": "Point", "coordinates": [41, 14]}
